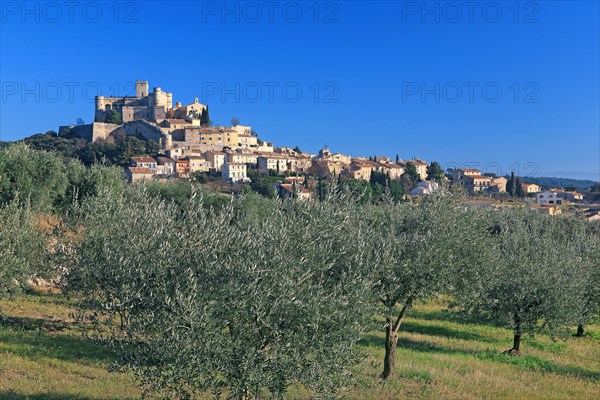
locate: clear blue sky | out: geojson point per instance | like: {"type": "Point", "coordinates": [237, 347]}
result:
{"type": "Point", "coordinates": [392, 77]}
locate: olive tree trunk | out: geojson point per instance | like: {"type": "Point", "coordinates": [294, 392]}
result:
{"type": "Point", "coordinates": [580, 330]}
{"type": "Point", "coordinates": [518, 333]}
{"type": "Point", "coordinates": [391, 340]}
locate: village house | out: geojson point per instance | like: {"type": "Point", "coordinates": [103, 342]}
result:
{"type": "Point", "coordinates": [298, 180]}
{"type": "Point", "coordinates": [421, 166]}
{"type": "Point", "coordinates": [294, 189]}
{"type": "Point", "coordinates": [174, 126]}
{"type": "Point", "coordinates": [424, 188]}
{"type": "Point", "coordinates": [382, 159]}
{"type": "Point", "coordinates": [498, 184]}
{"type": "Point", "coordinates": [182, 167]}
{"type": "Point", "coordinates": [264, 147]}
{"type": "Point", "coordinates": [216, 159]}
{"type": "Point", "coordinates": [192, 111]}
{"type": "Point", "coordinates": [234, 172]}
{"type": "Point", "coordinates": [476, 183]}
{"type": "Point", "coordinates": [198, 164]}
{"type": "Point", "coordinates": [529, 188]}
{"type": "Point", "coordinates": [361, 168]}
{"type": "Point", "coordinates": [358, 170]}
{"type": "Point", "coordinates": [143, 162]}
{"type": "Point", "coordinates": [459, 173]}
{"type": "Point", "coordinates": [247, 141]}
{"type": "Point", "coordinates": [326, 154]}
{"type": "Point", "coordinates": [243, 129]}
{"type": "Point", "coordinates": [548, 197]}
{"type": "Point", "coordinates": [301, 163]}
{"type": "Point", "coordinates": [393, 170]}
{"type": "Point", "coordinates": [272, 162]}
{"type": "Point", "coordinates": [213, 136]}
{"type": "Point", "coordinates": [165, 166]}
{"type": "Point", "coordinates": [137, 174]}
{"type": "Point", "coordinates": [288, 151]}
{"type": "Point", "coordinates": [325, 167]}
{"type": "Point", "coordinates": [242, 156]}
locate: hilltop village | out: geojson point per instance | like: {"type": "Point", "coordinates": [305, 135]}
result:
{"type": "Point", "coordinates": [190, 145]}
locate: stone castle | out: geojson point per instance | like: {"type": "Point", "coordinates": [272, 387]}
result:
{"type": "Point", "coordinates": [154, 107]}
{"type": "Point", "coordinates": [151, 115]}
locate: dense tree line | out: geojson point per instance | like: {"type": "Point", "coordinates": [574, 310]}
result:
{"type": "Point", "coordinates": [246, 296]}
{"type": "Point", "coordinates": [116, 150]}
{"type": "Point", "coordinates": [48, 182]}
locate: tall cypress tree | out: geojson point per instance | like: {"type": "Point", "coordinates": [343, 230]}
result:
{"type": "Point", "coordinates": [205, 118]}
{"type": "Point", "coordinates": [512, 184]}
{"type": "Point", "coordinates": [519, 188]}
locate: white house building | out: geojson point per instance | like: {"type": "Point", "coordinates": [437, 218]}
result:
{"type": "Point", "coordinates": [424, 188]}
{"type": "Point", "coordinates": [548, 197]}
{"type": "Point", "coordinates": [234, 172]}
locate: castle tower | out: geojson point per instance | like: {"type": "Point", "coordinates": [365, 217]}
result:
{"type": "Point", "coordinates": [141, 89]}
{"type": "Point", "coordinates": [100, 103]}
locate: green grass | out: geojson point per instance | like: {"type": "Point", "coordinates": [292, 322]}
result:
{"type": "Point", "coordinates": [441, 355]}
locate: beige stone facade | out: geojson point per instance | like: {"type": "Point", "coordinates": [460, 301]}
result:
{"type": "Point", "coordinates": [137, 174]}
{"type": "Point", "coordinates": [216, 159]}
{"type": "Point", "coordinates": [530, 188]}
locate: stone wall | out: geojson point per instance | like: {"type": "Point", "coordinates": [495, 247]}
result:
{"type": "Point", "coordinates": [90, 132]}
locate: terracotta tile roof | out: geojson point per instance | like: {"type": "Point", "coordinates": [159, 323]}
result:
{"type": "Point", "coordinates": [272, 155]}
{"type": "Point", "coordinates": [392, 165]}
{"type": "Point", "coordinates": [143, 159]}
{"type": "Point", "coordinates": [291, 179]}
{"type": "Point", "coordinates": [165, 159]}
{"type": "Point", "coordinates": [140, 170]}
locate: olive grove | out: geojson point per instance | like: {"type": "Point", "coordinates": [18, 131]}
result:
{"type": "Point", "coordinates": [215, 301]}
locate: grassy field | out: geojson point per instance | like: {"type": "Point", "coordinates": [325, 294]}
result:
{"type": "Point", "coordinates": [44, 355]}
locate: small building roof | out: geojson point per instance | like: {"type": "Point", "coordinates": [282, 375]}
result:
{"type": "Point", "coordinates": [164, 159]}
{"type": "Point", "coordinates": [144, 159]}
{"type": "Point", "coordinates": [140, 170]}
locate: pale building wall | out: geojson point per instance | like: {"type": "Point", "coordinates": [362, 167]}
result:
{"type": "Point", "coordinates": [234, 172]}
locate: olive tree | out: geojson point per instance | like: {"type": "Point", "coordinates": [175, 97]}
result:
{"type": "Point", "coordinates": [22, 247]}
{"type": "Point", "coordinates": [208, 301]}
{"type": "Point", "coordinates": [418, 250]}
{"type": "Point", "coordinates": [531, 285]}
{"type": "Point", "coordinates": [35, 177]}
{"type": "Point", "coordinates": [585, 239]}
